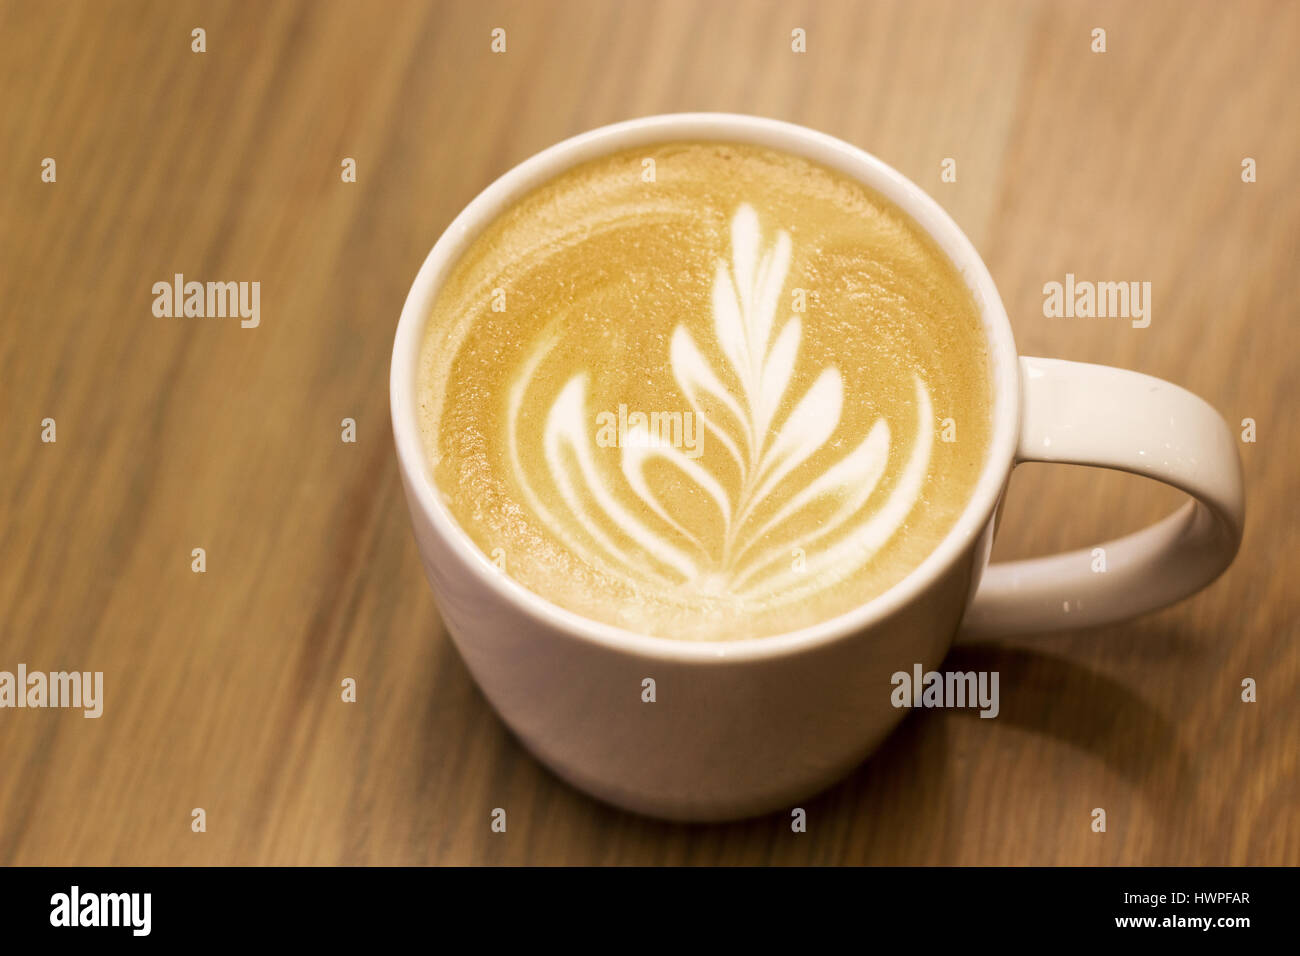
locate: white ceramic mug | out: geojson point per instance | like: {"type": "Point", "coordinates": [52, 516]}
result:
{"type": "Point", "coordinates": [743, 727]}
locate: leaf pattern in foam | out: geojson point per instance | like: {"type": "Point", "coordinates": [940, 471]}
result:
{"type": "Point", "coordinates": [808, 427]}
{"type": "Point", "coordinates": [642, 450]}
{"type": "Point", "coordinates": [565, 439]}
{"type": "Point", "coordinates": [837, 561]}
{"type": "Point", "coordinates": [852, 479]}
{"type": "Point", "coordinates": [754, 562]}
{"type": "Point", "coordinates": [696, 378]}
{"type": "Point", "coordinates": [729, 326]}
{"type": "Point", "coordinates": [744, 254]}
{"type": "Point", "coordinates": [767, 297]}
{"type": "Point", "coordinates": [778, 372]}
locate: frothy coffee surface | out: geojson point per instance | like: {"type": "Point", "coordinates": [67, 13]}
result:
{"type": "Point", "coordinates": [724, 394]}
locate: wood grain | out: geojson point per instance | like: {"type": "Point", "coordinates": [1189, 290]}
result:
{"type": "Point", "coordinates": [222, 688]}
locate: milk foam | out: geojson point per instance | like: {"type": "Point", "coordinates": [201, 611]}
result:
{"type": "Point", "coordinates": [813, 337]}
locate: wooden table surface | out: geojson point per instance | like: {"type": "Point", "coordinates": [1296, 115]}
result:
{"type": "Point", "coordinates": [222, 688]}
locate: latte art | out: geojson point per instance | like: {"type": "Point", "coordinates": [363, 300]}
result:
{"type": "Point", "coordinates": [709, 406]}
{"type": "Point", "coordinates": [750, 560]}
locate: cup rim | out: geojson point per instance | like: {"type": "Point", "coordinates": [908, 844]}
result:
{"type": "Point", "coordinates": [827, 150]}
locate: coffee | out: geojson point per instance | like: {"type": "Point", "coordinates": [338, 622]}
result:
{"type": "Point", "coordinates": [705, 391]}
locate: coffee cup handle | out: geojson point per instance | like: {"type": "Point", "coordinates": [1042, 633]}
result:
{"type": "Point", "coordinates": [1105, 417]}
